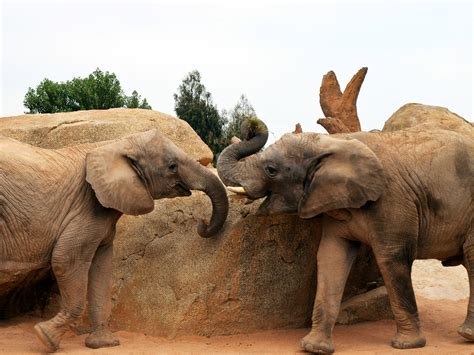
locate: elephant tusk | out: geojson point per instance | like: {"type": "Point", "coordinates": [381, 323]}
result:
{"type": "Point", "coordinates": [237, 190]}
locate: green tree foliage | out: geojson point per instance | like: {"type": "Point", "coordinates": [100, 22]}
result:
{"type": "Point", "coordinates": [193, 103]}
{"type": "Point", "coordinates": [135, 101]}
{"type": "Point", "coordinates": [99, 90]}
{"type": "Point", "coordinates": [241, 111]}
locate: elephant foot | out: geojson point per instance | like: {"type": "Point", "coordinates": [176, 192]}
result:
{"type": "Point", "coordinates": [316, 343]}
{"type": "Point", "coordinates": [403, 341]}
{"type": "Point", "coordinates": [101, 338]}
{"type": "Point", "coordinates": [49, 335]}
{"type": "Point", "coordinates": [466, 330]}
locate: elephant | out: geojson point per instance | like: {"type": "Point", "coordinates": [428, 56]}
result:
{"type": "Point", "coordinates": [59, 210]}
{"type": "Point", "coordinates": [407, 195]}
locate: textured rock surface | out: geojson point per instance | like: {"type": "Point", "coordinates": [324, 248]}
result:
{"type": "Point", "coordinates": [258, 273]}
{"type": "Point", "coordinates": [434, 281]}
{"type": "Point", "coordinates": [370, 306]}
{"type": "Point", "coordinates": [71, 128]}
{"type": "Point", "coordinates": [421, 117]}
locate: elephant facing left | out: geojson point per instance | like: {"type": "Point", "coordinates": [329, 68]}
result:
{"type": "Point", "coordinates": [59, 209]}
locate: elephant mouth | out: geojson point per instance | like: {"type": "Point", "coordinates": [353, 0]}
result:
{"type": "Point", "coordinates": [181, 189]}
{"type": "Point", "coordinates": [275, 204]}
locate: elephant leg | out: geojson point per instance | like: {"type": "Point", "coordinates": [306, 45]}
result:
{"type": "Point", "coordinates": [99, 292]}
{"type": "Point", "coordinates": [467, 328]}
{"type": "Point", "coordinates": [335, 258]}
{"type": "Point", "coordinates": [71, 272]}
{"type": "Point", "coordinates": [395, 265]}
{"type": "Point", "coordinates": [70, 263]}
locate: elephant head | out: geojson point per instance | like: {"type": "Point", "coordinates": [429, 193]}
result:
{"type": "Point", "coordinates": [128, 174]}
{"type": "Point", "coordinates": [306, 173]}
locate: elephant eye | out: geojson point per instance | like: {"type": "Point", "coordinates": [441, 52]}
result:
{"type": "Point", "coordinates": [173, 167]}
{"type": "Point", "coordinates": [271, 171]}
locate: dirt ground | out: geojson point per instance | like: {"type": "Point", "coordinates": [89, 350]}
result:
{"type": "Point", "coordinates": [442, 300]}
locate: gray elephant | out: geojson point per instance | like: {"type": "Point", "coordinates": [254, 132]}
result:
{"type": "Point", "coordinates": [59, 208]}
{"type": "Point", "coordinates": [408, 195]}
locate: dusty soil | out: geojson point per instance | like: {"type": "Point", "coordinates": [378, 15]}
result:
{"type": "Point", "coordinates": [442, 301]}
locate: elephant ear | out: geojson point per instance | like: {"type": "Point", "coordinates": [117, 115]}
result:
{"type": "Point", "coordinates": [346, 175]}
{"type": "Point", "coordinates": [113, 173]}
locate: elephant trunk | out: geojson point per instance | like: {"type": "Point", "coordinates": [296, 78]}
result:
{"type": "Point", "coordinates": [197, 177]}
{"type": "Point", "coordinates": [230, 168]}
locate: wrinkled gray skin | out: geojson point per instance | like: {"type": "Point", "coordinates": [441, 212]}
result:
{"type": "Point", "coordinates": [409, 195]}
{"type": "Point", "coordinates": [59, 208]}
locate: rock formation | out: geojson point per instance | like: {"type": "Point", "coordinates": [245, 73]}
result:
{"type": "Point", "coordinates": [71, 128]}
{"type": "Point", "coordinates": [424, 117]}
{"type": "Point", "coordinates": [340, 108]}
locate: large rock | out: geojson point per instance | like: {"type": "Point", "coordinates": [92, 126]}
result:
{"type": "Point", "coordinates": [424, 117]}
{"type": "Point", "coordinates": [258, 273]}
{"type": "Point", "coordinates": [71, 128]}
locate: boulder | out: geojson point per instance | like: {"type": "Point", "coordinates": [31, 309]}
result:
{"type": "Point", "coordinates": [370, 306]}
{"type": "Point", "coordinates": [424, 117]}
{"type": "Point", "coordinates": [72, 128]}
{"type": "Point", "coordinates": [257, 273]}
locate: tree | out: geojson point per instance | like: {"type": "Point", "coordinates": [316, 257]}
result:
{"type": "Point", "coordinates": [49, 97]}
{"type": "Point", "coordinates": [193, 103]}
{"type": "Point", "coordinates": [134, 101]}
{"type": "Point", "coordinates": [241, 111]}
{"type": "Point", "coordinates": [99, 90]}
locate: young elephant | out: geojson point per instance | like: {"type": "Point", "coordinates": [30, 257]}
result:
{"type": "Point", "coordinates": [59, 208]}
{"type": "Point", "coordinates": [409, 195]}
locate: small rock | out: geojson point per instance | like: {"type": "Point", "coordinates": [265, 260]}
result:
{"type": "Point", "coordinates": [369, 306]}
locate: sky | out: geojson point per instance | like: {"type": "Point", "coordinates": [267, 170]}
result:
{"type": "Point", "coordinates": [274, 52]}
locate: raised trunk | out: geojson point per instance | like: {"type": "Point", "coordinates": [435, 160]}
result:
{"type": "Point", "coordinates": [229, 167]}
{"type": "Point", "coordinates": [197, 177]}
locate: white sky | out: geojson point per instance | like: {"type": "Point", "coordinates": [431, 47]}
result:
{"type": "Point", "coordinates": [274, 52]}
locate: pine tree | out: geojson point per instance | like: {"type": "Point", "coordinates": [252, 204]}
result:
{"type": "Point", "coordinates": [193, 103]}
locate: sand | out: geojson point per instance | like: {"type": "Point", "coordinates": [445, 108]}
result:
{"type": "Point", "coordinates": [442, 301]}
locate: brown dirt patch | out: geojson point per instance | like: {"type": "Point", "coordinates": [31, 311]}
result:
{"type": "Point", "coordinates": [440, 319]}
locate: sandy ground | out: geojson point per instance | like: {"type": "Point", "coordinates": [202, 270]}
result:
{"type": "Point", "coordinates": [442, 301]}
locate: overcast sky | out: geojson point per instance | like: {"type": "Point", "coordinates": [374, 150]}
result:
{"type": "Point", "coordinates": [274, 52]}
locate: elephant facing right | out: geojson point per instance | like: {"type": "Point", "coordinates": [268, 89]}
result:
{"type": "Point", "coordinates": [406, 194]}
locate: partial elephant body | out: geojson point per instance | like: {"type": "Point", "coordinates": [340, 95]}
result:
{"type": "Point", "coordinates": [430, 185]}
{"type": "Point", "coordinates": [406, 194]}
{"type": "Point", "coordinates": [39, 189]}
{"type": "Point", "coordinates": [59, 208]}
